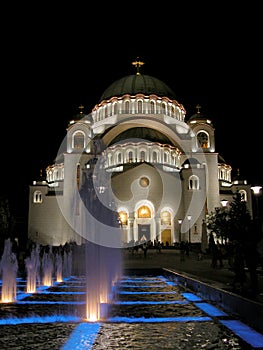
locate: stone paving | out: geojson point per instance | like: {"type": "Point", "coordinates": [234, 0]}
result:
{"type": "Point", "coordinates": [194, 267]}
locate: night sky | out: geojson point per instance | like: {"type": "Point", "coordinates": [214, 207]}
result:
{"type": "Point", "coordinates": [55, 59]}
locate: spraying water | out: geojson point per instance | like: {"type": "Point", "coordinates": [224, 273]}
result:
{"type": "Point", "coordinates": [32, 264]}
{"type": "Point", "coordinates": [8, 269]}
{"type": "Point", "coordinates": [103, 267]}
{"type": "Point", "coordinates": [67, 261]}
{"type": "Point", "coordinates": [103, 254]}
{"type": "Point", "coordinates": [58, 265]}
{"type": "Point", "coordinates": [47, 267]}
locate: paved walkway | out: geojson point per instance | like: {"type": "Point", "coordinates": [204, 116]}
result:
{"type": "Point", "coordinates": [191, 266]}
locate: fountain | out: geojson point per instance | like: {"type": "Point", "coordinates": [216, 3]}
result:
{"type": "Point", "coordinates": [47, 267]}
{"type": "Point", "coordinates": [153, 299]}
{"type": "Point", "coordinates": [58, 265]}
{"type": "Point", "coordinates": [8, 269]}
{"type": "Point", "coordinates": [32, 264]}
{"type": "Point", "coordinates": [102, 232]}
{"type": "Point", "coordinates": [67, 261]}
{"type": "Point", "coordinates": [101, 278]}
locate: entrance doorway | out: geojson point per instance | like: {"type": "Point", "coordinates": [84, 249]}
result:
{"type": "Point", "coordinates": [144, 232]}
{"type": "Point", "coordinates": [166, 236]}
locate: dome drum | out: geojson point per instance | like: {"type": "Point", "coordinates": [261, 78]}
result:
{"type": "Point", "coordinates": [138, 104]}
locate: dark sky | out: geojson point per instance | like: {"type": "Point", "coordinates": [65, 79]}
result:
{"type": "Point", "coordinates": [54, 59]}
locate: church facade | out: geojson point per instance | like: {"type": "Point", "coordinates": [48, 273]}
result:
{"type": "Point", "coordinates": [138, 157]}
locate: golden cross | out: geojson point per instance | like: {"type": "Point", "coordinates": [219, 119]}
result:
{"type": "Point", "coordinates": [198, 108]}
{"type": "Point", "coordinates": [138, 65]}
{"type": "Point", "coordinates": [81, 107]}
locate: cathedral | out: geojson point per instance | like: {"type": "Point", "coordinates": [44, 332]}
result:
{"type": "Point", "coordinates": [135, 167]}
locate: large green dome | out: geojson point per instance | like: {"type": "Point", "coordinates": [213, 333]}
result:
{"type": "Point", "coordinates": [135, 84]}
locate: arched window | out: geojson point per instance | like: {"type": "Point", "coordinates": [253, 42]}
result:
{"type": "Point", "coordinates": [163, 108]}
{"type": "Point", "coordinates": [37, 197]}
{"type": "Point", "coordinates": [127, 106]}
{"type": "Point", "coordinates": [142, 156]}
{"type": "Point", "coordinates": [144, 181]}
{"type": "Point", "coordinates": [55, 174]}
{"type": "Point", "coordinates": [78, 140]}
{"type": "Point", "coordinates": [100, 114]}
{"type": "Point", "coordinates": [50, 176]}
{"type": "Point", "coordinates": [152, 107]}
{"type": "Point", "coordinates": [130, 157]}
{"type": "Point", "coordinates": [115, 108]}
{"type": "Point", "coordinates": [193, 182]}
{"type": "Point", "coordinates": [165, 157]}
{"type": "Point", "coordinates": [140, 106]}
{"type": "Point", "coordinates": [144, 212]}
{"type": "Point", "coordinates": [243, 195]}
{"type": "Point", "coordinates": [203, 139]}
{"type": "Point", "coordinates": [165, 218]}
{"type": "Point", "coordinates": [108, 110]}
{"type": "Point", "coordinates": [123, 216]}
{"type": "Point", "coordinates": [155, 156]}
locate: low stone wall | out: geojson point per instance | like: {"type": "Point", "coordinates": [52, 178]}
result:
{"type": "Point", "coordinates": [248, 311]}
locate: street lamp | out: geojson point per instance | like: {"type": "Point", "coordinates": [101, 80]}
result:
{"type": "Point", "coordinates": [224, 202]}
{"type": "Point", "coordinates": [189, 218]}
{"type": "Point", "coordinates": [180, 233]}
{"type": "Point", "coordinates": [256, 190]}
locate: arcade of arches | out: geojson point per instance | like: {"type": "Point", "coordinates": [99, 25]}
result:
{"type": "Point", "coordinates": [144, 226]}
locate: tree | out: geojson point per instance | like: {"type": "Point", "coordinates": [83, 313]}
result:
{"type": "Point", "coordinates": [240, 222]}
{"type": "Point", "coordinates": [232, 223]}
{"type": "Point", "coordinates": [235, 224]}
{"type": "Point", "coordinates": [217, 223]}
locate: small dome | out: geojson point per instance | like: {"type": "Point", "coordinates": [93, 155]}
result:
{"type": "Point", "coordinates": [135, 84]}
{"type": "Point", "coordinates": [238, 177]}
{"type": "Point", "coordinates": [199, 117]}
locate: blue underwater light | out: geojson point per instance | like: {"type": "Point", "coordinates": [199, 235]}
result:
{"type": "Point", "coordinates": [82, 337]}
{"type": "Point", "coordinates": [248, 334]}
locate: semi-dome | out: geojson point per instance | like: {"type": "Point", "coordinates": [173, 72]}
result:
{"type": "Point", "coordinates": [138, 83]}
{"type": "Point", "coordinates": [142, 133]}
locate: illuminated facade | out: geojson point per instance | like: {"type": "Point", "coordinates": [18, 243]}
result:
{"type": "Point", "coordinates": [161, 168]}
